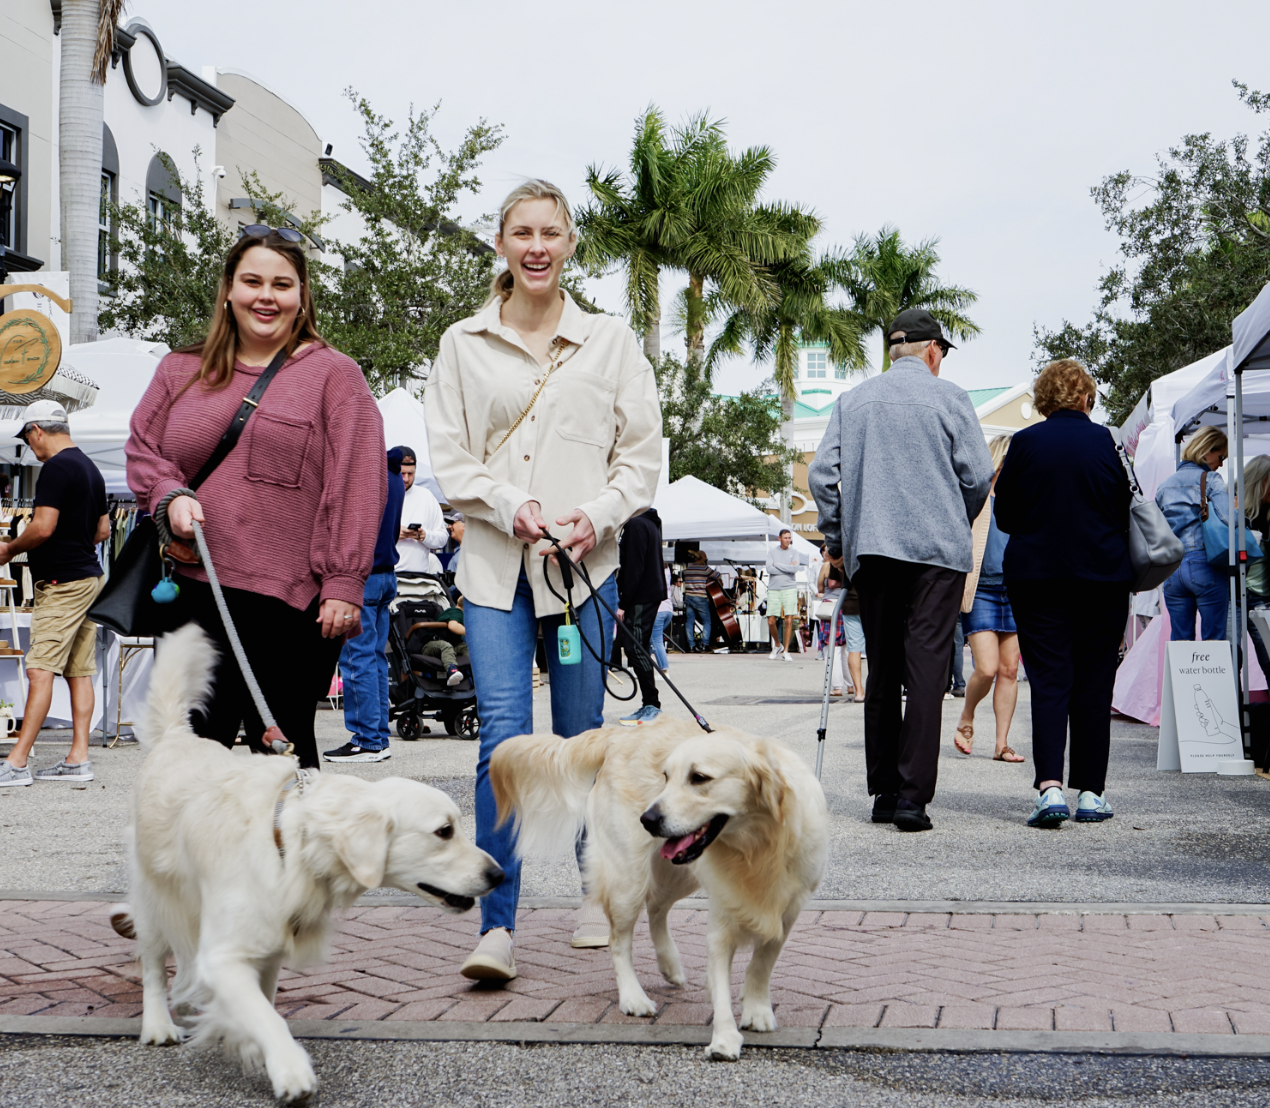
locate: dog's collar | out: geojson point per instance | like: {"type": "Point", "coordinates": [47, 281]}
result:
{"type": "Point", "coordinates": [298, 782]}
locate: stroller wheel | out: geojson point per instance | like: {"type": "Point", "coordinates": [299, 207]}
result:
{"type": "Point", "coordinates": [469, 723]}
{"type": "Point", "coordinates": [409, 726]}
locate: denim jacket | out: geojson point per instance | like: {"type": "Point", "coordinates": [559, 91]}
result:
{"type": "Point", "coordinates": [1178, 498]}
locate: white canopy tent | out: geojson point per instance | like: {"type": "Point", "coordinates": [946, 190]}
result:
{"type": "Point", "coordinates": [727, 527]}
{"type": "Point", "coordinates": [122, 369]}
{"type": "Point", "coordinates": [404, 425]}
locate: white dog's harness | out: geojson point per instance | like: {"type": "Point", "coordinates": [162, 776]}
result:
{"type": "Point", "coordinates": [298, 782]}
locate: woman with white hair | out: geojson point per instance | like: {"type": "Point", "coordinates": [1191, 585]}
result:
{"type": "Point", "coordinates": [537, 411]}
{"type": "Point", "coordinates": [1185, 497]}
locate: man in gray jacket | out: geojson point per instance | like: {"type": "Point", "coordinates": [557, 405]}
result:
{"type": "Point", "coordinates": [902, 471]}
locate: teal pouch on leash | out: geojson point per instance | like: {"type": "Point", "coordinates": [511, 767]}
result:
{"type": "Point", "coordinates": [568, 644]}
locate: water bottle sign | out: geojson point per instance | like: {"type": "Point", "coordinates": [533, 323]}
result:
{"type": "Point", "coordinates": [569, 645]}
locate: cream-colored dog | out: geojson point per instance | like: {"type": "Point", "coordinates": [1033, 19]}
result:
{"type": "Point", "coordinates": [668, 808]}
{"type": "Point", "coordinates": [237, 864]}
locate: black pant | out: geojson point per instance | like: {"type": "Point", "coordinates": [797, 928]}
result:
{"type": "Point", "coordinates": [639, 621]}
{"type": "Point", "coordinates": [1060, 624]}
{"type": "Point", "coordinates": [291, 661]}
{"type": "Point", "coordinates": [908, 610]}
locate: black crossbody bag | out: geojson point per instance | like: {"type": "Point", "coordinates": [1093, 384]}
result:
{"type": "Point", "coordinates": [124, 603]}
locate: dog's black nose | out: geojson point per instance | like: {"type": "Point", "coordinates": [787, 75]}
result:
{"type": "Point", "coordinates": [494, 875]}
{"type": "Point", "coordinates": [651, 820]}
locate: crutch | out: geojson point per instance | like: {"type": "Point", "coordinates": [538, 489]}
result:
{"type": "Point", "coordinates": [830, 651]}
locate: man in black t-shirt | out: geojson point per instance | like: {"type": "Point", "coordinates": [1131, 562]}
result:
{"type": "Point", "coordinates": [60, 544]}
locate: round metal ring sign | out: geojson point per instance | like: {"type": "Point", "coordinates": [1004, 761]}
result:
{"type": "Point", "coordinates": [30, 351]}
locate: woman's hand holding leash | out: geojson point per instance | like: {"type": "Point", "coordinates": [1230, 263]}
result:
{"type": "Point", "coordinates": [528, 524]}
{"type": "Point", "coordinates": [181, 510]}
{"type": "Point", "coordinates": [339, 619]}
{"type": "Point", "coordinates": [581, 539]}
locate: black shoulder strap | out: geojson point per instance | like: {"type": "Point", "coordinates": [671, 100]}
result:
{"type": "Point", "coordinates": [235, 429]}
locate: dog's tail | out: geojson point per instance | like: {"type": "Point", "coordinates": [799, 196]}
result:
{"type": "Point", "coordinates": [543, 781]}
{"type": "Point", "coordinates": [180, 681]}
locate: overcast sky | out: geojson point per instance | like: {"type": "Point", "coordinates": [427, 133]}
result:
{"type": "Point", "coordinates": [982, 124]}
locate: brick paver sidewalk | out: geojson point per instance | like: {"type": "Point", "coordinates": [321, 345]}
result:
{"type": "Point", "coordinates": [1043, 971]}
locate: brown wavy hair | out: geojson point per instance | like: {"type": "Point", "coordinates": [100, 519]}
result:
{"type": "Point", "coordinates": [219, 350]}
{"type": "Point", "coordinates": [1062, 384]}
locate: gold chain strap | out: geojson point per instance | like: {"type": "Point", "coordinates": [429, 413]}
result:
{"type": "Point", "coordinates": [559, 346]}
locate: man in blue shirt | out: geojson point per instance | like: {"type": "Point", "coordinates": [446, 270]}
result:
{"type": "Point", "coordinates": [364, 661]}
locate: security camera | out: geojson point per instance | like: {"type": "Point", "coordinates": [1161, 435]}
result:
{"type": "Point", "coordinates": [218, 171]}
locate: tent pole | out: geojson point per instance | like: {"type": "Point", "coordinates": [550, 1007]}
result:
{"type": "Point", "coordinates": [1242, 562]}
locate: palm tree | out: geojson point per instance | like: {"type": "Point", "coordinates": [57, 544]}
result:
{"type": "Point", "coordinates": [689, 205]}
{"type": "Point", "coordinates": [883, 277]}
{"type": "Point", "coordinates": [801, 312]}
{"type": "Point", "coordinates": [88, 37]}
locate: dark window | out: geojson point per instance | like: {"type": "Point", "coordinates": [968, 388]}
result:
{"type": "Point", "coordinates": [104, 258]}
{"type": "Point", "coordinates": [9, 200]}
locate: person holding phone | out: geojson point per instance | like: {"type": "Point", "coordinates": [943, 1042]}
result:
{"type": "Point", "coordinates": [423, 526]}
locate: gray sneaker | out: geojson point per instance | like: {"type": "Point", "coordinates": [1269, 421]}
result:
{"type": "Point", "coordinates": [63, 772]}
{"type": "Point", "coordinates": [10, 775]}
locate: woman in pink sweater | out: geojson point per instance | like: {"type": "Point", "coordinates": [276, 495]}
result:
{"type": "Point", "coordinates": [292, 512]}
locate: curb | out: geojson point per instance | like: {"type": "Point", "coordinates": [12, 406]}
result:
{"type": "Point", "coordinates": [832, 1038]}
{"type": "Point", "coordinates": [698, 903]}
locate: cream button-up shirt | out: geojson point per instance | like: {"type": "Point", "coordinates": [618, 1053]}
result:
{"type": "Point", "coordinates": [592, 441]}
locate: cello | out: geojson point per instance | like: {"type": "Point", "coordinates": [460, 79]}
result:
{"type": "Point", "coordinates": [726, 611]}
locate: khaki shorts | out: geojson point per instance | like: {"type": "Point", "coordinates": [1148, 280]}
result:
{"type": "Point", "coordinates": [63, 641]}
{"type": "Point", "coordinates": [782, 602]}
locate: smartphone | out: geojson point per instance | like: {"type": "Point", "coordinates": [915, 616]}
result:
{"type": "Point", "coordinates": [415, 527]}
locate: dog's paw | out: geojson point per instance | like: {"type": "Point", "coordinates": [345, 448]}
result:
{"type": "Point", "coordinates": [760, 1017]}
{"type": "Point", "coordinates": [672, 971]}
{"type": "Point", "coordinates": [160, 1033]}
{"type": "Point", "coordinates": [725, 1046]}
{"type": "Point", "coordinates": [293, 1081]}
{"type": "Point", "coordinates": [637, 1005]}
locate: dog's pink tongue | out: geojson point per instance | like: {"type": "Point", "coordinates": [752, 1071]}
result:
{"type": "Point", "coordinates": [671, 847]}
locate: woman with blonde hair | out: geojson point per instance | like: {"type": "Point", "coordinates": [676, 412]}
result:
{"type": "Point", "coordinates": [1063, 498]}
{"type": "Point", "coordinates": [292, 548]}
{"type": "Point", "coordinates": [537, 411]}
{"type": "Point", "coordinates": [988, 622]}
{"type": "Point", "coordinates": [1185, 497]}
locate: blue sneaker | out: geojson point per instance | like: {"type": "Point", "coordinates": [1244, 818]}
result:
{"type": "Point", "coordinates": [1051, 809]}
{"type": "Point", "coordinates": [1092, 808]}
{"type": "Point", "coordinates": [646, 714]}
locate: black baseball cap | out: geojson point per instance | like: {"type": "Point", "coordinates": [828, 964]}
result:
{"type": "Point", "coordinates": [916, 325]}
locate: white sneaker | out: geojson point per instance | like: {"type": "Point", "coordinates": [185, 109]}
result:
{"type": "Point", "coordinates": [492, 960]}
{"type": "Point", "coordinates": [787, 657]}
{"type": "Point", "coordinates": [775, 651]}
{"type": "Point", "coordinates": [82, 772]}
{"type": "Point", "coordinates": [593, 927]}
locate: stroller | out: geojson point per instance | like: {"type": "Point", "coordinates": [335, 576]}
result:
{"type": "Point", "coordinates": [417, 682]}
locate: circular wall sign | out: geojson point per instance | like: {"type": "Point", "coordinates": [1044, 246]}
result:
{"type": "Point", "coordinates": [30, 350]}
{"type": "Point", "coordinates": [144, 66]}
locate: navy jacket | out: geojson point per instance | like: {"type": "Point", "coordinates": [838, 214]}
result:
{"type": "Point", "coordinates": [641, 574]}
{"type": "Point", "coordinates": [390, 526]}
{"type": "Point", "coordinates": [1063, 498]}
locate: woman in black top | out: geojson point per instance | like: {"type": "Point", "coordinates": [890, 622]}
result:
{"type": "Point", "coordinates": [1063, 498]}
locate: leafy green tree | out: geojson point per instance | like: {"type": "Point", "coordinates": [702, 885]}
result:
{"type": "Point", "coordinates": [884, 277]}
{"type": "Point", "coordinates": [1194, 254]}
{"type": "Point", "coordinates": [691, 206]}
{"type": "Point", "coordinates": [416, 270]}
{"type": "Point", "coordinates": [730, 442]}
{"type": "Point", "coordinates": [165, 286]}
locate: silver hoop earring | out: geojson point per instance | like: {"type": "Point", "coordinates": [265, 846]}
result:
{"type": "Point", "coordinates": [226, 305]}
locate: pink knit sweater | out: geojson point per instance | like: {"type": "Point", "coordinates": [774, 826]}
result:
{"type": "Point", "coordinates": [294, 509]}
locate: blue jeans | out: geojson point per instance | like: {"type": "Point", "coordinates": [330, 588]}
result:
{"type": "Point", "coordinates": [659, 638]}
{"type": "Point", "coordinates": [698, 609]}
{"type": "Point", "coordinates": [502, 645]}
{"type": "Point", "coordinates": [365, 666]}
{"type": "Point", "coordinates": [1195, 585]}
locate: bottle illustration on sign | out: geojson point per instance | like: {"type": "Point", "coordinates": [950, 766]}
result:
{"type": "Point", "coordinates": [1217, 730]}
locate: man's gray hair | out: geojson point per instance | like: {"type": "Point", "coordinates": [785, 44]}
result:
{"type": "Point", "coordinates": [900, 350]}
{"type": "Point", "coordinates": [52, 428]}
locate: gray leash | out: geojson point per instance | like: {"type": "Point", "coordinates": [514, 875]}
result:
{"type": "Point", "coordinates": [274, 739]}
{"type": "Point", "coordinates": [830, 650]}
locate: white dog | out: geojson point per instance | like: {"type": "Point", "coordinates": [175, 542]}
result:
{"type": "Point", "coordinates": [671, 808]}
{"type": "Point", "coordinates": [238, 862]}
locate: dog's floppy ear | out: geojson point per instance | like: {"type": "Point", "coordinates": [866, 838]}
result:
{"type": "Point", "coordinates": [769, 785]}
{"type": "Point", "coordinates": [360, 839]}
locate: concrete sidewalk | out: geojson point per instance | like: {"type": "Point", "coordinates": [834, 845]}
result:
{"type": "Point", "coordinates": [967, 979]}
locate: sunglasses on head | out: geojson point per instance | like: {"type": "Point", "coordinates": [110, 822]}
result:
{"type": "Point", "coordinates": [261, 231]}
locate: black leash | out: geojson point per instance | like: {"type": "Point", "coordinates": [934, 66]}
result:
{"type": "Point", "coordinates": [567, 566]}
